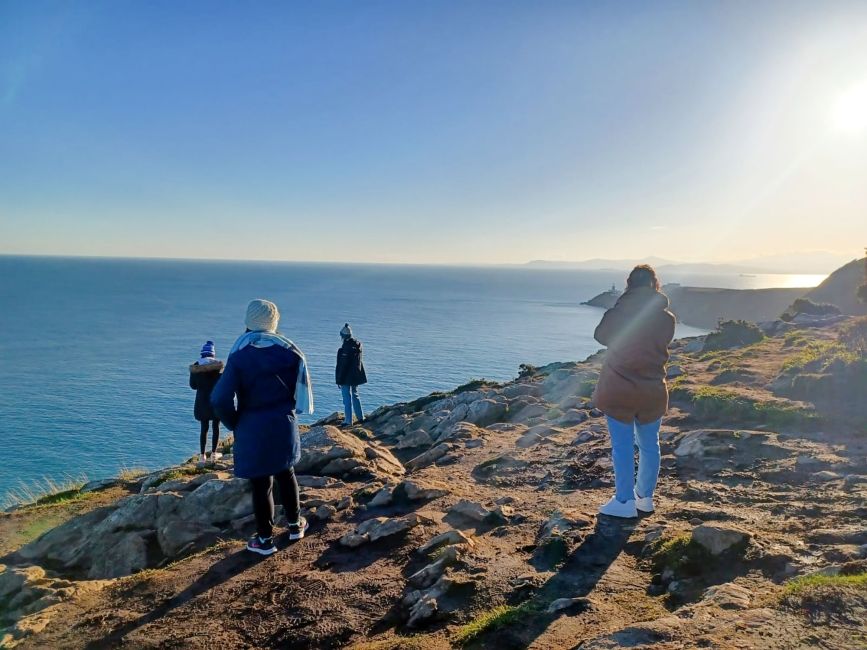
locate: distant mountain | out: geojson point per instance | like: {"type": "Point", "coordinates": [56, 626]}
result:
{"type": "Point", "coordinates": [840, 288]}
{"type": "Point", "coordinates": [599, 264]}
{"type": "Point", "coordinates": [804, 263]}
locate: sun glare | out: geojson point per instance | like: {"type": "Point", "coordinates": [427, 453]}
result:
{"type": "Point", "coordinates": [849, 114]}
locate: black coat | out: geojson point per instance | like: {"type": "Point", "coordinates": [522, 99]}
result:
{"type": "Point", "coordinates": [202, 380]}
{"type": "Point", "coordinates": [350, 364]}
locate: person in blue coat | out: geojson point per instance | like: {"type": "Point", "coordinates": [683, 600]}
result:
{"type": "Point", "coordinates": [268, 375]}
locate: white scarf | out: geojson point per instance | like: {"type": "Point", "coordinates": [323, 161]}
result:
{"type": "Point", "coordinates": [303, 387]}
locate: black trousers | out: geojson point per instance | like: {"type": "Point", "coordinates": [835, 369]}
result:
{"type": "Point", "coordinates": [203, 438]}
{"type": "Point", "coordinates": [263, 500]}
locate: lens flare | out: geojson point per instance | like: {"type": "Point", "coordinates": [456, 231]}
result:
{"type": "Point", "coordinates": [849, 114]}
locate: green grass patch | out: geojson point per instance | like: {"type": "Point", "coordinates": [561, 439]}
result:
{"type": "Point", "coordinates": [180, 472]}
{"type": "Point", "coordinates": [828, 599]}
{"type": "Point", "coordinates": [798, 586]}
{"type": "Point", "coordinates": [489, 621]}
{"type": "Point", "coordinates": [65, 496]}
{"type": "Point", "coordinates": [681, 553]}
{"type": "Point", "coordinates": [818, 355]}
{"type": "Point", "coordinates": [798, 337]}
{"type": "Point", "coordinates": [586, 387]}
{"type": "Point", "coordinates": [475, 384]}
{"type": "Point", "coordinates": [725, 404]}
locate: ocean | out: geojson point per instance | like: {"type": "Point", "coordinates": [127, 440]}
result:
{"type": "Point", "coordinates": [94, 353]}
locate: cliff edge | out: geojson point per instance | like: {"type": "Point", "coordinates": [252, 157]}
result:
{"type": "Point", "coordinates": [468, 519]}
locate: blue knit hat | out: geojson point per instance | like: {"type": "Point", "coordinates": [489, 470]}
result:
{"type": "Point", "coordinates": [208, 350]}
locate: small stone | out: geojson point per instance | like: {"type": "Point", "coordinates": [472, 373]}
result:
{"type": "Point", "coordinates": [429, 457]}
{"type": "Point", "coordinates": [432, 572]}
{"type": "Point", "coordinates": [695, 521]}
{"type": "Point", "coordinates": [469, 510]}
{"type": "Point", "coordinates": [100, 484]}
{"type": "Point", "coordinates": [826, 475]}
{"type": "Point", "coordinates": [381, 498]}
{"type": "Point", "coordinates": [718, 538]}
{"type": "Point", "coordinates": [417, 438]}
{"type": "Point", "coordinates": [415, 491]}
{"type": "Point", "coordinates": [728, 596]}
{"type": "Point", "coordinates": [528, 440]}
{"type": "Point", "coordinates": [325, 512]}
{"type": "Point", "coordinates": [448, 538]}
{"type": "Point", "coordinates": [353, 540]}
{"type": "Point", "coordinates": [473, 444]}
{"type": "Point", "coordinates": [568, 603]}
{"type": "Point", "coordinates": [345, 503]}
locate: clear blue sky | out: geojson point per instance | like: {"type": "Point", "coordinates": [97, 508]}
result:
{"type": "Point", "coordinates": [456, 132]}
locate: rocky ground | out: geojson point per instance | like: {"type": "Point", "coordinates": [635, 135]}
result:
{"type": "Point", "coordinates": [469, 519]}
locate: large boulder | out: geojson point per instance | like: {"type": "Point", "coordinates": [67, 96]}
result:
{"type": "Point", "coordinates": [329, 451]}
{"type": "Point", "coordinates": [217, 502]}
{"type": "Point", "coordinates": [487, 411]}
{"type": "Point", "coordinates": [141, 530]}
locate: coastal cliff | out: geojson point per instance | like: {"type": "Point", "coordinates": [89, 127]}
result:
{"type": "Point", "coordinates": [704, 306]}
{"type": "Point", "coordinates": [468, 519]}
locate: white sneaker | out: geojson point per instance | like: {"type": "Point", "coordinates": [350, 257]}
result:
{"type": "Point", "coordinates": [615, 508]}
{"type": "Point", "coordinates": [203, 459]}
{"type": "Point", "coordinates": [643, 504]}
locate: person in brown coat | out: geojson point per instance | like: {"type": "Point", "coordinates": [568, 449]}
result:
{"type": "Point", "coordinates": [631, 390]}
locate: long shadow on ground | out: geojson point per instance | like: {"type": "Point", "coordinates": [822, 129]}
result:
{"type": "Point", "coordinates": [577, 578]}
{"type": "Point", "coordinates": [222, 571]}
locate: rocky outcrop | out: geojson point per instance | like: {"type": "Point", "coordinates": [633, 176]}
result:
{"type": "Point", "coordinates": [329, 451]}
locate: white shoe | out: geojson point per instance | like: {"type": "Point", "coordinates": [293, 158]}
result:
{"type": "Point", "coordinates": [203, 459]}
{"type": "Point", "coordinates": [643, 504]}
{"type": "Point", "coordinates": [615, 508]}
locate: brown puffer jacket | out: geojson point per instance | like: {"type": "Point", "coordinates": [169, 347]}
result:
{"type": "Point", "coordinates": [637, 331]}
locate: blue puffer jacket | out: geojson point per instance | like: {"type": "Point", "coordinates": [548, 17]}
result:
{"type": "Point", "coordinates": [266, 434]}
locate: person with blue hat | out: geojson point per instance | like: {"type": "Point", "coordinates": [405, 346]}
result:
{"type": "Point", "coordinates": [204, 375]}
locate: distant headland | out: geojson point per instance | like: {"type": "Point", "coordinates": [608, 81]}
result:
{"type": "Point", "coordinates": [705, 307]}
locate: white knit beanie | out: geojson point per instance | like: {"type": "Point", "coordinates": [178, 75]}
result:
{"type": "Point", "coordinates": [262, 315]}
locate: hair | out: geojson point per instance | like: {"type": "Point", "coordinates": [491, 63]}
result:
{"type": "Point", "coordinates": [643, 275]}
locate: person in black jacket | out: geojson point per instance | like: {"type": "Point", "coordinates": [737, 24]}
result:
{"type": "Point", "coordinates": [204, 375]}
{"type": "Point", "coordinates": [350, 374]}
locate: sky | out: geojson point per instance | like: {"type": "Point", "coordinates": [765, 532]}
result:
{"type": "Point", "coordinates": [457, 132]}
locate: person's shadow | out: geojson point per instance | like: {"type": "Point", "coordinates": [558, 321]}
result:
{"type": "Point", "coordinates": [220, 572]}
{"type": "Point", "coordinates": [577, 577]}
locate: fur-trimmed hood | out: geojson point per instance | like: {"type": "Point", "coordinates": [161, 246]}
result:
{"type": "Point", "coordinates": [214, 366]}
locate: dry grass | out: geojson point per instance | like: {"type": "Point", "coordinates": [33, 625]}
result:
{"type": "Point", "coordinates": [45, 492]}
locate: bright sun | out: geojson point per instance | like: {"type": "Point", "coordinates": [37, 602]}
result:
{"type": "Point", "coordinates": [850, 110]}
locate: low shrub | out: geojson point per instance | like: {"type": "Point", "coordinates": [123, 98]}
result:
{"type": "Point", "coordinates": [725, 404]}
{"type": "Point", "coordinates": [681, 553]}
{"type": "Point", "coordinates": [854, 336]}
{"type": "Point", "coordinates": [807, 306]}
{"type": "Point", "coordinates": [732, 334]}
{"type": "Point", "coordinates": [818, 356]}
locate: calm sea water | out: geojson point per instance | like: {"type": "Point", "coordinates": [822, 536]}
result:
{"type": "Point", "coordinates": [94, 353]}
